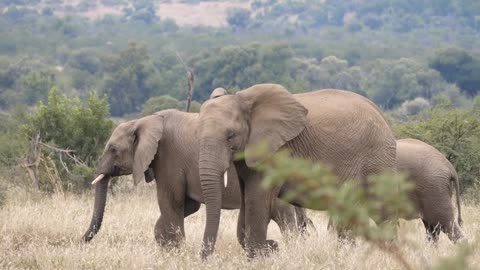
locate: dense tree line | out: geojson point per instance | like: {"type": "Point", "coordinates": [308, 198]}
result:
{"type": "Point", "coordinates": [404, 55]}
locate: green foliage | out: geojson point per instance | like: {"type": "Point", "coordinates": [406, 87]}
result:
{"type": "Point", "coordinates": [239, 67]}
{"type": "Point", "coordinates": [394, 81]}
{"type": "Point", "coordinates": [2, 198]}
{"type": "Point", "coordinates": [458, 66]}
{"type": "Point", "coordinates": [160, 103]}
{"type": "Point", "coordinates": [399, 16]}
{"type": "Point", "coordinates": [85, 60]}
{"type": "Point", "coordinates": [36, 84]}
{"type": "Point", "coordinates": [459, 261]}
{"type": "Point", "coordinates": [68, 124]}
{"type": "Point", "coordinates": [80, 178]}
{"type": "Point", "coordinates": [238, 17]}
{"type": "Point", "coordinates": [12, 146]}
{"type": "Point", "coordinates": [454, 132]}
{"type": "Point", "coordinates": [129, 79]}
{"type": "Point", "coordinates": [143, 10]}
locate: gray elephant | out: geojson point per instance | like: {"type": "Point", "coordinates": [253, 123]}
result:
{"type": "Point", "coordinates": [340, 128]}
{"type": "Point", "coordinates": [166, 143]}
{"type": "Point", "coordinates": [434, 177]}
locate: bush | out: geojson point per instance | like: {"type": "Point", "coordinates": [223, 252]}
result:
{"type": "Point", "coordinates": [68, 124]}
{"type": "Point", "coordinates": [160, 103]}
{"type": "Point", "coordinates": [454, 132]}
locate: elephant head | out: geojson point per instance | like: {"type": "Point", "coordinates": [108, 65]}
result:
{"type": "Point", "coordinates": [130, 150]}
{"type": "Point", "coordinates": [264, 113]}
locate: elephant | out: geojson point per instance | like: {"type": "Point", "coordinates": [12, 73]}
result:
{"type": "Point", "coordinates": [163, 147]}
{"type": "Point", "coordinates": [434, 177]}
{"type": "Point", "coordinates": [341, 129]}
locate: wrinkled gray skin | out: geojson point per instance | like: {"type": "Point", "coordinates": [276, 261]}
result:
{"type": "Point", "coordinates": [435, 178]}
{"type": "Point", "coordinates": [163, 147]}
{"type": "Point", "coordinates": [340, 128]}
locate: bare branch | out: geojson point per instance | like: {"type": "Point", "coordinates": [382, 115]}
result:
{"type": "Point", "coordinates": [67, 152]}
{"type": "Point", "coordinates": [190, 78]}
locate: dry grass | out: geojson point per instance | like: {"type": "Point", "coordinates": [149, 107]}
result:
{"type": "Point", "coordinates": [40, 232]}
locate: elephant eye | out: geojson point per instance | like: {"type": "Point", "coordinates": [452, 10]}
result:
{"type": "Point", "coordinates": [230, 136]}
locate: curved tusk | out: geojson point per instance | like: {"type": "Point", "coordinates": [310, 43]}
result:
{"type": "Point", "coordinates": [98, 179]}
{"type": "Point", "coordinates": [225, 179]}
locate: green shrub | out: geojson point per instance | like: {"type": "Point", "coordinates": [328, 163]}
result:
{"type": "Point", "coordinates": [70, 125]}
{"type": "Point", "coordinates": [454, 132]}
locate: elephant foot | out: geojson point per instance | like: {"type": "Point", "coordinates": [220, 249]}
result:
{"type": "Point", "coordinates": [270, 248]}
{"type": "Point", "coordinates": [206, 251]}
{"type": "Point", "coordinates": [168, 245]}
{"type": "Point", "coordinates": [346, 238]}
{"type": "Point", "coordinates": [307, 228]}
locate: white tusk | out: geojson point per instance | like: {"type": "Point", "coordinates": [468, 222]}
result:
{"type": "Point", "coordinates": [225, 179]}
{"type": "Point", "coordinates": [100, 177]}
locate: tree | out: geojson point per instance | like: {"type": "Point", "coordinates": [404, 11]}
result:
{"type": "Point", "coordinates": [85, 60]}
{"type": "Point", "coordinates": [391, 82]}
{"type": "Point", "coordinates": [238, 17]}
{"type": "Point", "coordinates": [36, 84]}
{"type": "Point", "coordinates": [458, 66]}
{"type": "Point", "coordinates": [129, 79]}
{"type": "Point", "coordinates": [159, 103]}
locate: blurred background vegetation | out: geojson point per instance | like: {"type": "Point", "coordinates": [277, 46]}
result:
{"type": "Point", "coordinates": [70, 70]}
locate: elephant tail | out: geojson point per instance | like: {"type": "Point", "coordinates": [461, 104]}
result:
{"type": "Point", "coordinates": [454, 179]}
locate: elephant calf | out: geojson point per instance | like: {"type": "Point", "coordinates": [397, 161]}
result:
{"type": "Point", "coordinates": [434, 178]}
{"type": "Point", "coordinates": [163, 147]}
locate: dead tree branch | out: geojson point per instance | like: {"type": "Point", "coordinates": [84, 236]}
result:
{"type": "Point", "coordinates": [190, 80]}
{"type": "Point", "coordinates": [35, 157]}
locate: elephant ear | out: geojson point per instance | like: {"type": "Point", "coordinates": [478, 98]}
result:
{"type": "Point", "coordinates": [276, 117]}
{"type": "Point", "coordinates": [148, 132]}
{"type": "Point", "coordinates": [218, 92]}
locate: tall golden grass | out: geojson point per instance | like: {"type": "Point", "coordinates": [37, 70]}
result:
{"type": "Point", "coordinates": [44, 232]}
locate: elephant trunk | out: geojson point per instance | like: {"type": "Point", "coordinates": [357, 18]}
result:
{"type": "Point", "coordinates": [98, 209]}
{"type": "Point", "coordinates": [211, 179]}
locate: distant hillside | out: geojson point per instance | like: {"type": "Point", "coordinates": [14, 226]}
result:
{"type": "Point", "coordinates": [208, 13]}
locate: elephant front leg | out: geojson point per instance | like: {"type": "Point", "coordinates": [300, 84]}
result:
{"type": "Point", "coordinates": [257, 217]}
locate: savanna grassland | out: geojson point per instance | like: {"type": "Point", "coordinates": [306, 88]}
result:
{"type": "Point", "coordinates": [44, 232]}
{"type": "Point", "coordinates": [72, 70]}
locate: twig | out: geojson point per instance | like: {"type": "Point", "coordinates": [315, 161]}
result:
{"type": "Point", "coordinates": [190, 78]}
{"type": "Point", "coordinates": [67, 152]}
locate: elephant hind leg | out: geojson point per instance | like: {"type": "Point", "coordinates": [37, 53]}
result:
{"type": "Point", "coordinates": [452, 230]}
{"type": "Point", "coordinates": [344, 235]}
{"type": "Point", "coordinates": [304, 223]}
{"type": "Point", "coordinates": [169, 229]}
{"type": "Point", "coordinates": [284, 215]}
{"type": "Point", "coordinates": [433, 231]}
{"type": "Point", "coordinates": [168, 234]}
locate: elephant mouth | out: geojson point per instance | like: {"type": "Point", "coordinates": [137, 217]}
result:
{"type": "Point", "coordinates": [119, 170]}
